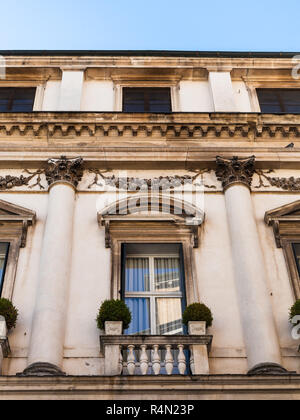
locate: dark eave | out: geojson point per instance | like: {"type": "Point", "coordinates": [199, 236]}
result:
{"type": "Point", "coordinates": [148, 53]}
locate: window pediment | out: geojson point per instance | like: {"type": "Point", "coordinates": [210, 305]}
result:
{"type": "Point", "coordinates": [285, 221]}
{"type": "Point", "coordinates": [15, 220]}
{"type": "Point", "coordinates": [151, 214]}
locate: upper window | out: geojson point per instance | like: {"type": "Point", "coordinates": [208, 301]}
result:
{"type": "Point", "coordinates": [154, 288]}
{"type": "Point", "coordinates": [147, 100]}
{"type": "Point", "coordinates": [17, 99]}
{"type": "Point", "coordinates": [279, 100]}
{"type": "Point", "coordinates": [4, 247]}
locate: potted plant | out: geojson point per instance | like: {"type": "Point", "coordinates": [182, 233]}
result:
{"type": "Point", "coordinates": [295, 310]}
{"type": "Point", "coordinates": [10, 315]}
{"type": "Point", "coordinates": [197, 317]}
{"type": "Point", "coordinates": [114, 317]}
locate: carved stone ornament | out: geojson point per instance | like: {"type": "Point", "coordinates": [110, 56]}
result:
{"type": "Point", "coordinates": [63, 169]}
{"type": "Point", "coordinates": [235, 171]}
{"type": "Point", "coordinates": [158, 184]}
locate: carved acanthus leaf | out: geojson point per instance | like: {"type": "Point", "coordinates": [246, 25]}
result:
{"type": "Point", "coordinates": [63, 169]}
{"type": "Point", "coordinates": [235, 170]}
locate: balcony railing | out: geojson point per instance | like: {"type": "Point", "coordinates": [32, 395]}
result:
{"type": "Point", "coordinates": [156, 355]}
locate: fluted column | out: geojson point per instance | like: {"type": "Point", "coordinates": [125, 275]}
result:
{"type": "Point", "coordinates": [48, 331]}
{"type": "Point", "coordinates": [261, 340]}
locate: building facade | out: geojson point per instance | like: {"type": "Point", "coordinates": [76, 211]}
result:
{"type": "Point", "coordinates": [163, 179]}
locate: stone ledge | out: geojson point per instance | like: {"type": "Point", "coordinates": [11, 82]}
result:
{"type": "Point", "coordinates": [150, 387]}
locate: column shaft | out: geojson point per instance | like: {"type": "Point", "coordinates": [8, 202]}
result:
{"type": "Point", "coordinates": [254, 299]}
{"type": "Point", "coordinates": [47, 339]}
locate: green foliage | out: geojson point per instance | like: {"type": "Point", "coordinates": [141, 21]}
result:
{"type": "Point", "coordinates": [9, 312]}
{"type": "Point", "coordinates": [198, 312]}
{"type": "Point", "coordinates": [295, 310]}
{"type": "Point", "coordinates": [114, 310]}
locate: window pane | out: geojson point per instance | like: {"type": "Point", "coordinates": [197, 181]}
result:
{"type": "Point", "coordinates": [17, 99]}
{"type": "Point", "coordinates": [140, 310]}
{"type": "Point", "coordinates": [134, 100]}
{"type": "Point", "coordinates": [146, 100]}
{"type": "Point", "coordinates": [167, 274]}
{"type": "Point", "coordinates": [169, 316]}
{"type": "Point", "coordinates": [159, 101]}
{"type": "Point", "coordinates": [137, 275]}
{"type": "Point", "coordinates": [279, 100]}
{"type": "Point", "coordinates": [3, 256]}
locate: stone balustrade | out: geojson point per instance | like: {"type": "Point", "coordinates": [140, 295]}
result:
{"type": "Point", "coordinates": [155, 355]}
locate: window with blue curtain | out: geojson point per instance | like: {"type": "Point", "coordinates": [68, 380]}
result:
{"type": "Point", "coordinates": [154, 292]}
{"type": "Point", "coordinates": [4, 248]}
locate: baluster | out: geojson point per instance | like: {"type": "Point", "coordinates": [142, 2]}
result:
{"type": "Point", "coordinates": [131, 360]}
{"type": "Point", "coordinates": [169, 360]}
{"type": "Point", "coordinates": [121, 361]}
{"type": "Point", "coordinates": [156, 360]}
{"type": "Point", "coordinates": [181, 360]}
{"type": "Point", "coordinates": [144, 361]}
{"type": "Point", "coordinates": [192, 361]}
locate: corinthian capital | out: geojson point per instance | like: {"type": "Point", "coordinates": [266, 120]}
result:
{"type": "Point", "coordinates": [63, 169]}
{"type": "Point", "coordinates": [235, 171]}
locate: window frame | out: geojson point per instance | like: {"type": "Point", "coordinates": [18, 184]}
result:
{"type": "Point", "coordinates": [174, 87]}
{"type": "Point", "coordinates": [14, 223]}
{"type": "Point", "coordinates": [39, 93]}
{"type": "Point", "coordinates": [164, 234]}
{"type": "Point", "coordinates": [292, 265]}
{"type": "Point", "coordinates": [253, 85]}
{"type": "Point", "coordinates": [146, 98]}
{"type": "Point", "coordinates": [285, 221]}
{"type": "Point", "coordinates": [281, 103]}
{"type": "Point", "coordinates": [153, 295]}
{"type": "Point", "coordinates": [2, 279]}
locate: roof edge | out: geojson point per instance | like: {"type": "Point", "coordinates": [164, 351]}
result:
{"type": "Point", "coordinates": [149, 53]}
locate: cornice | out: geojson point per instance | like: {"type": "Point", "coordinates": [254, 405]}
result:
{"type": "Point", "coordinates": [249, 126]}
{"type": "Point", "coordinates": [148, 61]}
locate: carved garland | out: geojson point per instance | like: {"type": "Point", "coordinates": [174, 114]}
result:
{"type": "Point", "coordinates": [161, 183]}
{"type": "Point", "coordinates": [71, 170]}
{"type": "Point", "coordinates": [287, 184]}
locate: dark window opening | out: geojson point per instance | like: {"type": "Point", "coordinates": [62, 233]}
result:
{"type": "Point", "coordinates": [274, 101]}
{"type": "Point", "coordinates": [17, 99]}
{"type": "Point", "coordinates": [4, 248]}
{"type": "Point", "coordinates": [296, 249]}
{"type": "Point", "coordinates": [147, 100]}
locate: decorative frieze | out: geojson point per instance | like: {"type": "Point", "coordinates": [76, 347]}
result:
{"type": "Point", "coordinates": [235, 171]}
{"type": "Point", "coordinates": [8, 182]}
{"type": "Point", "coordinates": [161, 183]}
{"type": "Point", "coordinates": [286, 184]}
{"type": "Point", "coordinates": [63, 169]}
{"type": "Point", "coordinates": [189, 125]}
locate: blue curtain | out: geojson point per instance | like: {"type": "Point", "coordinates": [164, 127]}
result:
{"type": "Point", "coordinates": [137, 275]}
{"type": "Point", "coordinates": [140, 309]}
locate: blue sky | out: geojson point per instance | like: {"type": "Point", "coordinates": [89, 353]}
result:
{"type": "Point", "coordinates": [201, 25]}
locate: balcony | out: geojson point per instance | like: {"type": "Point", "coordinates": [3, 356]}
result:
{"type": "Point", "coordinates": [155, 355]}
